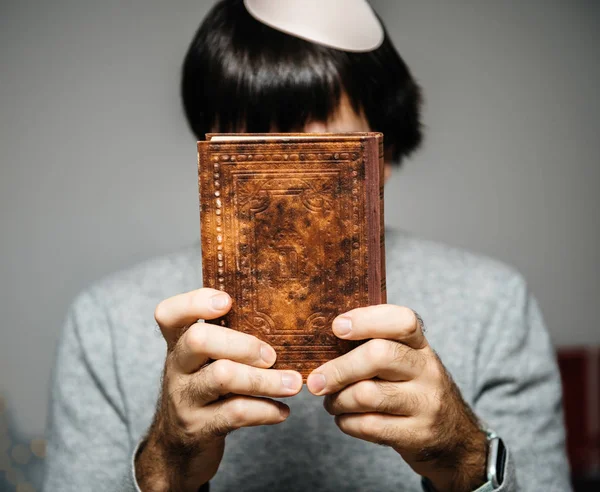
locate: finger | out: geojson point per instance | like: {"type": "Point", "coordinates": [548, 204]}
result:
{"type": "Point", "coordinates": [224, 416]}
{"type": "Point", "coordinates": [375, 396]}
{"type": "Point", "coordinates": [246, 411]}
{"type": "Point", "coordinates": [391, 361]}
{"type": "Point", "coordinates": [203, 341]}
{"type": "Point", "coordinates": [176, 313]}
{"type": "Point", "coordinates": [223, 376]}
{"type": "Point", "coordinates": [382, 321]}
{"type": "Point", "coordinates": [389, 430]}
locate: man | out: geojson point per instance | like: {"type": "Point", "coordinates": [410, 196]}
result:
{"type": "Point", "coordinates": [436, 398]}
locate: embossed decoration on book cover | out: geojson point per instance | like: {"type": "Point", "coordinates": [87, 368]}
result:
{"type": "Point", "coordinates": [292, 228]}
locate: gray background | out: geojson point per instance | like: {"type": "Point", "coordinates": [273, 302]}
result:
{"type": "Point", "coordinates": [98, 168]}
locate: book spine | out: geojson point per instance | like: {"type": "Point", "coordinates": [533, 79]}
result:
{"type": "Point", "coordinates": [375, 178]}
{"type": "Point", "coordinates": [382, 275]}
{"type": "Point", "coordinates": [205, 214]}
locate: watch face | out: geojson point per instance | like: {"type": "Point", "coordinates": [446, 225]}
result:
{"type": "Point", "coordinates": [496, 461]}
{"type": "Point", "coordinates": [500, 463]}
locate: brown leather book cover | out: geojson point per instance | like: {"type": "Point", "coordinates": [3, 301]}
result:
{"type": "Point", "coordinates": [292, 228]}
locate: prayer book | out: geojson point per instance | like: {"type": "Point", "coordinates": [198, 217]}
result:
{"type": "Point", "coordinates": [292, 229]}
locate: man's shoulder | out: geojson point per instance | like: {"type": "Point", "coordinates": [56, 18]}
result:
{"type": "Point", "coordinates": [471, 303]}
{"type": "Point", "coordinates": [112, 323]}
{"type": "Point", "coordinates": [441, 269]}
{"type": "Point", "coordinates": [145, 283]}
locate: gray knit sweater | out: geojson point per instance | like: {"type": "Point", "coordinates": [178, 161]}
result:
{"type": "Point", "coordinates": [481, 320]}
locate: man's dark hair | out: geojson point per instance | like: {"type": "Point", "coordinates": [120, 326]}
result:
{"type": "Point", "coordinates": [241, 75]}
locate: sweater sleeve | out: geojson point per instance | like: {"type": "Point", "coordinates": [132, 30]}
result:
{"type": "Point", "coordinates": [518, 393]}
{"type": "Point", "coordinates": [88, 439]}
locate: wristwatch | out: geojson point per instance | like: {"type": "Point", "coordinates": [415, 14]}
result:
{"type": "Point", "coordinates": [495, 464]}
{"type": "Point", "coordinates": [496, 459]}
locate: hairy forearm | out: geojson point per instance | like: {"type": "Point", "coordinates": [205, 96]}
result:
{"type": "Point", "coordinates": [457, 462]}
{"type": "Point", "coordinates": [465, 470]}
{"type": "Point", "coordinates": [160, 466]}
{"type": "Point", "coordinates": [151, 471]}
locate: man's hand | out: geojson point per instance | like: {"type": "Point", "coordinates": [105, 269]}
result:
{"type": "Point", "coordinates": [215, 380]}
{"type": "Point", "coordinates": [394, 390]}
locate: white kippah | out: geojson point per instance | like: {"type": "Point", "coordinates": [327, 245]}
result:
{"type": "Point", "coordinates": [348, 25]}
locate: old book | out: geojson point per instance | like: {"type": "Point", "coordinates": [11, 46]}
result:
{"type": "Point", "coordinates": [292, 228]}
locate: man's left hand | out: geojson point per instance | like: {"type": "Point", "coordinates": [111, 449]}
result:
{"type": "Point", "coordinates": [394, 390]}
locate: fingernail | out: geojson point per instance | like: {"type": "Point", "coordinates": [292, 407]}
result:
{"type": "Point", "coordinates": [289, 380]}
{"type": "Point", "coordinates": [267, 354]}
{"type": "Point", "coordinates": [342, 325]}
{"type": "Point", "coordinates": [284, 410]}
{"type": "Point", "coordinates": [219, 301]}
{"type": "Point", "coordinates": [316, 383]}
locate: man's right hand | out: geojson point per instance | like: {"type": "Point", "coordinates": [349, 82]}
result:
{"type": "Point", "coordinates": [215, 380]}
